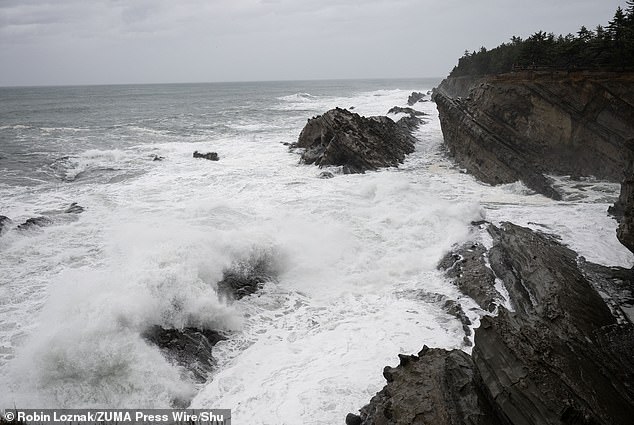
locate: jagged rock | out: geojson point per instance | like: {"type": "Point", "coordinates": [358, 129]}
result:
{"type": "Point", "coordinates": [559, 358]}
{"type": "Point", "coordinates": [524, 125]}
{"type": "Point", "coordinates": [415, 97]}
{"type": "Point", "coordinates": [436, 387]}
{"type": "Point", "coordinates": [74, 208]}
{"type": "Point", "coordinates": [211, 156]}
{"type": "Point", "coordinates": [326, 175]}
{"type": "Point", "coordinates": [616, 287]}
{"type": "Point", "coordinates": [624, 209]}
{"type": "Point", "coordinates": [190, 348]}
{"type": "Point", "coordinates": [160, 158]}
{"type": "Point", "coordinates": [467, 268]}
{"type": "Point", "coordinates": [4, 223]}
{"type": "Point", "coordinates": [408, 111]}
{"type": "Point", "coordinates": [247, 275]}
{"type": "Point", "coordinates": [35, 222]}
{"type": "Point", "coordinates": [343, 138]}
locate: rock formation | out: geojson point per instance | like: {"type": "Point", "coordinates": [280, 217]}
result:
{"type": "Point", "coordinates": [343, 138]}
{"type": "Point", "coordinates": [523, 125]}
{"type": "Point", "coordinates": [415, 97]}
{"type": "Point", "coordinates": [624, 209]}
{"type": "Point", "coordinates": [190, 348]}
{"type": "Point", "coordinates": [560, 357]}
{"type": "Point", "coordinates": [211, 156]}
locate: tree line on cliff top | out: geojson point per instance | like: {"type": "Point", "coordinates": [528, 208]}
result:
{"type": "Point", "coordinates": [609, 48]}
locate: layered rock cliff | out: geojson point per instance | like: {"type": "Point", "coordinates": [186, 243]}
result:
{"type": "Point", "coordinates": [526, 125]}
{"type": "Point", "coordinates": [563, 355]}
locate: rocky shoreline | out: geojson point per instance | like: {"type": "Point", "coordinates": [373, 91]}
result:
{"type": "Point", "coordinates": [561, 355]}
{"type": "Point", "coordinates": [557, 347]}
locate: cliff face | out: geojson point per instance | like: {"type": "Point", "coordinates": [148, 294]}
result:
{"type": "Point", "coordinates": [563, 356]}
{"type": "Point", "coordinates": [520, 126]}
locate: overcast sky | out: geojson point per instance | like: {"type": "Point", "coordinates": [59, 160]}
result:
{"type": "Point", "coordinates": [50, 42]}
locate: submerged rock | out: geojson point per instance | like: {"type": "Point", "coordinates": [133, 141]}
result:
{"type": "Point", "coordinates": [74, 208]}
{"type": "Point", "coordinates": [35, 222]}
{"type": "Point", "coordinates": [343, 138]}
{"type": "Point", "coordinates": [409, 111]}
{"type": "Point", "coordinates": [211, 156]}
{"type": "Point", "coordinates": [190, 348]}
{"type": "Point", "coordinates": [247, 275]}
{"type": "Point", "coordinates": [326, 175]}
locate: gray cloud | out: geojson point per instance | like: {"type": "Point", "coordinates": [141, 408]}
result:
{"type": "Point", "coordinates": [117, 41]}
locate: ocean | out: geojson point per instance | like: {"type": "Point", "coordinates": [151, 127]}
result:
{"type": "Point", "coordinates": [355, 255]}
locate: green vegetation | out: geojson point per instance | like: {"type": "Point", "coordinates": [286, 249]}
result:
{"type": "Point", "coordinates": [609, 48]}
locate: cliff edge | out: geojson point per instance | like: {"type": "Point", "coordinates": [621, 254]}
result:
{"type": "Point", "coordinates": [526, 125]}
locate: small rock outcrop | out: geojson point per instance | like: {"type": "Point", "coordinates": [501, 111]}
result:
{"type": "Point", "coordinates": [190, 348]}
{"type": "Point", "coordinates": [526, 125]}
{"type": "Point", "coordinates": [342, 138]}
{"type": "Point", "coordinates": [211, 156]}
{"type": "Point", "coordinates": [35, 222]}
{"type": "Point", "coordinates": [560, 357]}
{"type": "Point", "coordinates": [414, 98]}
{"type": "Point", "coordinates": [74, 208]}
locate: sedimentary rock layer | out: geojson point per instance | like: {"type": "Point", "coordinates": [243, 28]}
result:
{"type": "Point", "coordinates": [520, 126]}
{"type": "Point", "coordinates": [561, 357]}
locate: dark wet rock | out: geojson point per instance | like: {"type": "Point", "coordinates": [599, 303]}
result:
{"type": "Point", "coordinates": [343, 138]}
{"type": "Point", "coordinates": [623, 209]}
{"type": "Point", "coordinates": [561, 357]}
{"type": "Point", "coordinates": [415, 97]}
{"type": "Point", "coordinates": [190, 348]}
{"type": "Point", "coordinates": [525, 125]}
{"type": "Point", "coordinates": [5, 222]}
{"type": "Point", "coordinates": [35, 222]}
{"type": "Point", "coordinates": [238, 285]}
{"type": "Point", "coordinates": [326, 175]}
{"type": "Point", "coordinates": [455, 309]}
{"type": "Point", "coordinates": [408, 111]}
{"type": "Point", "coordinates": [616, 287]}
{"type": "Point", "coordinates": [211, 156]}
{"type": "Point", "coordinates": [352, 419]}
{"type": "Point", "coordinates": [158, 158]}
{"type": "Point", "coordinates": [74, 208]}
{"type": "Point", "coordinates": [247, 275]}
{"type": "Point", "coordinates": [468, 269]}
{"type": "Point", "coordinates": [436, 387]}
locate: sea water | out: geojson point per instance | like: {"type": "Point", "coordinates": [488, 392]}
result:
{"type": "Point", "coordinates": [355, 256]}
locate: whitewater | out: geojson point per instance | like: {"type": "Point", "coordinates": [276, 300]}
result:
{"type": "Point", "coordinates": [355, 255]}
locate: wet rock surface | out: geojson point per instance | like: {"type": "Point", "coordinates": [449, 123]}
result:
{"type": "Point", "coordinates": [190, 348]}
{"type": "Point", "coordinates": [561, 357]}
{"type": "Point", "coordinates": [624, 209]}
{"type": "Point", "coordinates": [414, 98]}
{"type": "Point", "coordinates": [342, 138]}
{"type": "Point", "coordinates": [524, 125]}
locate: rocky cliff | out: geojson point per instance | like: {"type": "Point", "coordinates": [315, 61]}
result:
{"type": "Point", "coordinates": [525, 125]}
{"type": "Point", "coordinates": [563, 355]}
